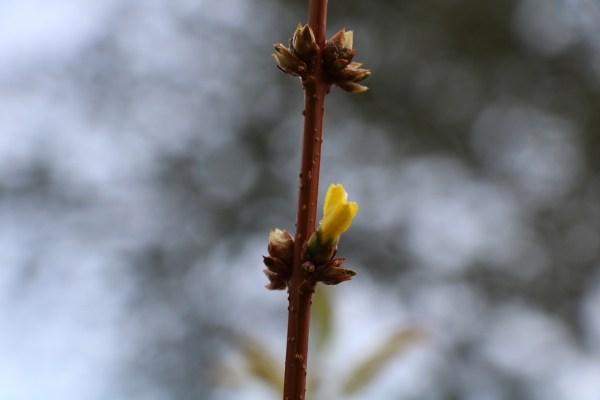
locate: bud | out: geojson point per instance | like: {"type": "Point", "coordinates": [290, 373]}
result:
{"type": "Point", "coordinates": [337, 275]}
{"type": "Point", "coordinates": [354, 75]}
{"type": "Point", "coordinates": [338, 65]}
{"type": "Point", "coordinates": [281, 246]}
{"type": "Point", "coordinates": [304, 43]}
{"type": "Point", "coordinates": [276, 281]}
{"type": "Point", "coordinates": [347, 54]}
{"type": "Point", "coordinates": [362, 74]}
{"type": "Point", "coordinates": [277, 266]}
{"type": "Point", "coordinates": [351, 87]}
{"type": "Point", "coordinates": [325, 267]}
{"type": "Point", "coordinates": [339, 39]}
{"type": "Point", "coordinates": [337, 213]}
{"type": "Point", "coordinates": [337, 216]}
{"type": "Point", "coordinates": [318, 250]}
{"type": "Point", "coordinates": [330, 54]}
{"type": "Point", "coordinates": [308, 267]}
{"type": "Point", "coordinates": [288, 62]}
{"type": "Point", "coordinates": [339, 68]}
{"type": "Point", "coordinates": [331, 273]}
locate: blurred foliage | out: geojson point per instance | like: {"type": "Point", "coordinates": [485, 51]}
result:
{"type": "Point", "coordinates": [368, 369]}
{"type": "Point", "coordinates": [259, 364]}
{"type": "Point", "coordinates": [321, 318]}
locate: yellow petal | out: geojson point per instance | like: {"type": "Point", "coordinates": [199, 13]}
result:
{"type": "Point", "coordinates": [335, 195]}
{"type": "Point", "coordinates": [337, 213]}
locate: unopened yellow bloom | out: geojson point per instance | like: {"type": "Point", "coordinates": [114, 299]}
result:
{"type": "Point", "coordinates": [337, 213]}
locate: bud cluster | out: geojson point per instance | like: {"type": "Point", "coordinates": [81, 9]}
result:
{"type": "Point", "coordinates": [294, 60]}
{"type": "Point", "coordinates": [319, 265]}
{"type": "Point", "coordinates": [317, 256]}
{"type": "Point", "coordinates": [280, 260]}
{"type": "Point", "coordinates": [337, 58]}
{"type": "Point", "coordinates": [339, 68]}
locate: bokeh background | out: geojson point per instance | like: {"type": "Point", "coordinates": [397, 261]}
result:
{"type": "Point", "coordinates": [148, 146]}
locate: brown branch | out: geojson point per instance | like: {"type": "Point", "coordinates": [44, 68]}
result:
{"type": "Point", "coordinates": [315, 89]}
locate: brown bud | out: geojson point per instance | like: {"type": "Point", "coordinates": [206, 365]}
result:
{"type": "Point", "coordinates": [281, 246]}
{"type": "Point", "coordinates": [351, 87]}
{"type": "Point", "coordinates": [308, 267]}
{"type": "Point", "coordinates": [347, 54]}
{"type": "Point", "coordinates": [339, 39]}
{"type": "Point", "coordinates": [353, 75]}
{"type": "Point", "coordinates": [335, 276]}
{"type": "Point", "coordinates": [277, 266]}
{"type": "Point", "coordinates": [330, 54]}
{"type": "Point", "coordinates": [339, 68]}
{"type": "Point", "coordinates": [364, 74]}
{"type": "Point", "coordinates": [276, 281]}
{"type": "Point", "coordinates": [331, 273]}
{"type": "Point", "coordinates": [304, 43]}
{"type": "Point", "coordinates": [326, 266]}
{"type": "Point", "coordinates": [338, 65]}
{"type": "Point", "coordinates": [287, 61]}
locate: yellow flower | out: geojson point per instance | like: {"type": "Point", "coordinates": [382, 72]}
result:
{"type": "Point", "coordinates": [337, 213]}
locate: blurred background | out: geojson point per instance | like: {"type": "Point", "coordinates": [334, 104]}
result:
{"type": "Point", "coordinates": [147, 147]}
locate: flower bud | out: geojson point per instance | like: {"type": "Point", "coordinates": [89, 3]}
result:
{"type": "Point", "coordinates": [276, 281]}
{"type": "Point", "coordinates": [337, 213]}
{"type": "Point", "coordinates": [337, 216]}
{"type": "Point", "coordinates": [288, 62]}
{"type": "Point", "coordinates": [362, 74]}
{"type": "Point", "coordinates": [308, 267]}
{"type": "Point", "coordinates": [277, 266]}
{"type": "Point", "coordinates": [337, 275]}
{"type": "Point", "coordinates": [334, 263]}
{"type": "Point", "coordinates": [339, 39]}
{"type": "Point", "coordinates": [351, 87]}
{"type": "Point", "coordinates": [304, 43]}
{"type": "Point", "coordinates": [330, 54]}
{"type": "Point", "coordinates": [319, 250]}
{"type": "Point", "coordinates": [331, 273]}
{"type": "Point", "coordinates": [281, 246]}
{"type": "Point", "coordinates": [347, 54]}
{"type": "Point", "coordinates": [339, 68]}
{"type": "Point", "coordinates": [354, 75]}
{"type": "Point", "coordinates": [338, 65]}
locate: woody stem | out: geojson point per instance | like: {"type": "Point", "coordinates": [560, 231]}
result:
{"type": "Point", "coordinates": [315, 89]}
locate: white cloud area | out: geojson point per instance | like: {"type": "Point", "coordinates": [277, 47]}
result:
{"type": "Point", "coordinates": [547, 26]}
{"type": "Point", "coordinates": [39, 31]}
{"type": "Point", "coordinates": [451, 220]}
{"type": "Point", "coordinates": [63, 291]}
{"type": "Point", "coordinates": [59, 330]}
{"type": "Point", "coordinates": [536, 151]}
{"type": "Point", "coordinates": [454, 221]}
{"type": "Point", "coordinates": [551, 27]}
{"type": "Point", "coordinates": [529, 343]}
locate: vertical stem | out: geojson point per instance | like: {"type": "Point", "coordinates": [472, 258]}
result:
{"type": "Point", "coordinates": [315, 89]}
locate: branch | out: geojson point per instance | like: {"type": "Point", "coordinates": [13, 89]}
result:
{"type": "Point", "coordinates": [315, 89]}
